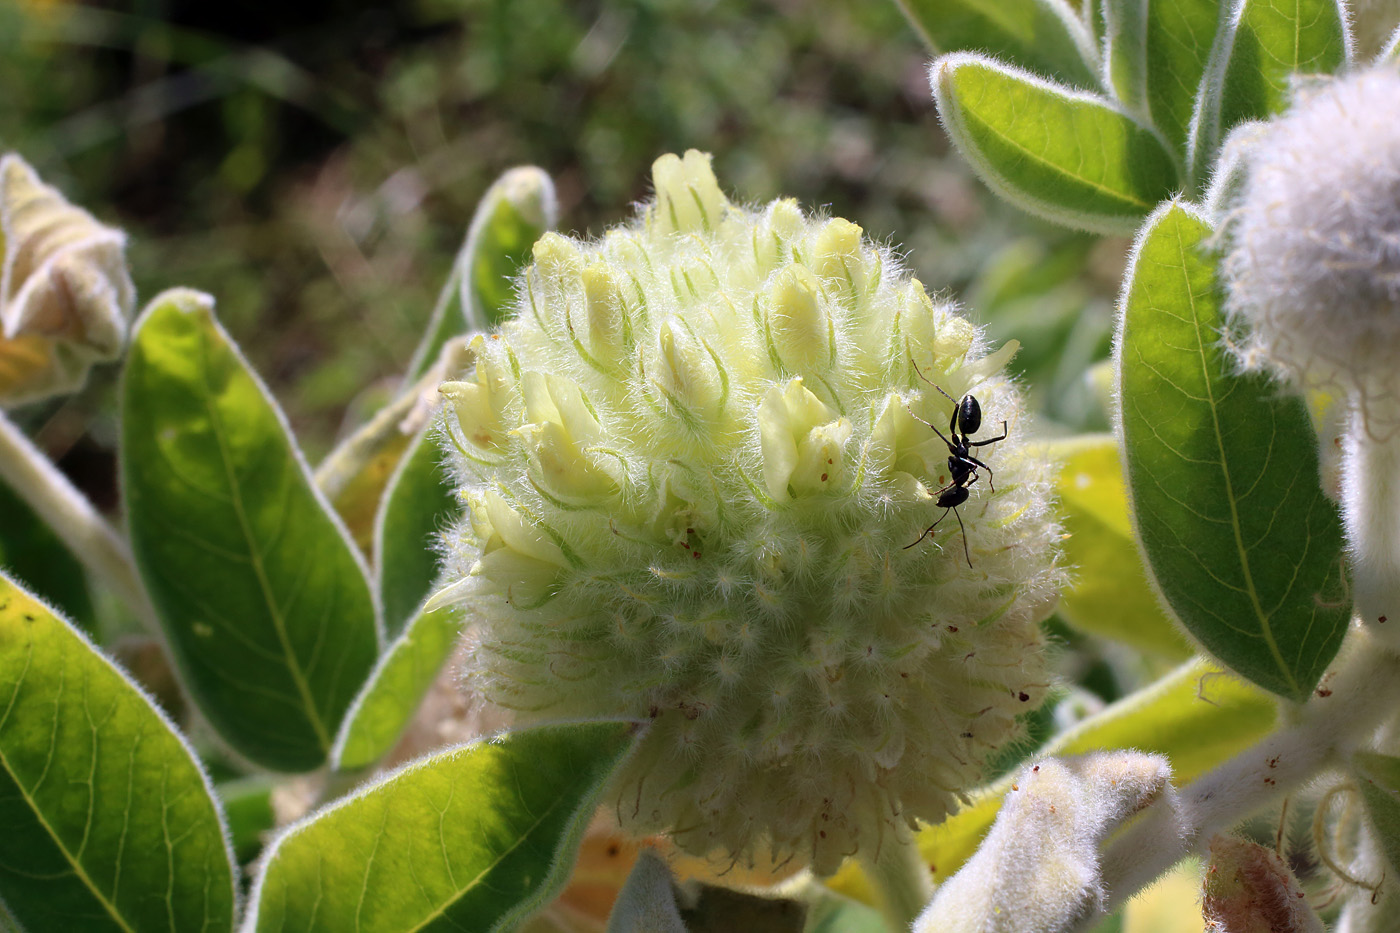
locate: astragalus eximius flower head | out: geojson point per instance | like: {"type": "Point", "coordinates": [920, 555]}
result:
{"type": "Point", "coordinates": [692, 463]}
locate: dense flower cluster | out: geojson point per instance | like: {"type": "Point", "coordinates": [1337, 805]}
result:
{"type": "Point", "coordinates": [693, 463]}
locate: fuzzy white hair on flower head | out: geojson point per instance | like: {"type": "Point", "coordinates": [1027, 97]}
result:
{"type": "Point", "coordinates": [1313, 267]}
{"type": "Point", "coordinates": [694, 466]}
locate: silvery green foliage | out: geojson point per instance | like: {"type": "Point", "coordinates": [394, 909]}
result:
{"type": "Point", "coordinates": [647, 902]}
{"type": "Point", "coordinates": [1038, 869]}
{"type": "Point", "coordinates": [1314, 261]}
{"type": "Point", "coordinates": [693, 464]}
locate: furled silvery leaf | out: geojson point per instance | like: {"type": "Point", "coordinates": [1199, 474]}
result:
{"type": "Point", "coordinates": [65, 293]}
{"type": "Point", "coordinates": [1038, 869]}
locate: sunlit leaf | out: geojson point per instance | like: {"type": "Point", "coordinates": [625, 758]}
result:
{"type": "Point", "coordinates": [511, 216]}
{"type": "Point", "coordinates": [474, 838]}
{"type": "Point", "coordinates": [1109, 594]}
{"type": "Point", "coordinates": [418, 505]}
{"type": "Point", "coordinates": [1157, 56]}
{"type": "Point", "coordinates": [263, 598]}
{"type": "Point", "coordinates": [106, 821]}
{"type": "Point", "coordinates": [394, 691]}
{"type": "Point", "coordinates": [1070, 157]}
{"type": "Point", "coordinates": [1043, 36]}
{"type": "Point", "coordinates": [1264, 43]}
{"type": "Point", "coordinates": [1222, 470]}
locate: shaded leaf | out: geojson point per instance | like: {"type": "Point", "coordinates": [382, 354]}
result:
{"type": "Point", "coordinates": [1379, 778]}
{"type": "Point", "coordinates": [474, 838]}
{"type": "Point", "coordinates": [395, 690]}
{"type": "Point", "coordinates": [263, 598]}
{"type": "Point", "coordinates": [32, 552]}
{"type": "Point", "coordinates": [1222, 470]}
{"type": "Point", "coordinates": [106, 821]}
{"type": "Point", "coordinates": [1069, 157]}
{"type": "Point", "coordinates": [1043, 36]}
{"type": "Point", "coordinates": [248, 810]}
{"type": "Point", "coordinates": [1110, 594]}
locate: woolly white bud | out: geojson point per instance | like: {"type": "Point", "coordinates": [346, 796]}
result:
{"type": "Point", "coordinates": [1038, 869]}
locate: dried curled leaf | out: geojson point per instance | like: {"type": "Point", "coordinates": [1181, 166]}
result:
{"type": "Point", "coordinates": [65, 293]}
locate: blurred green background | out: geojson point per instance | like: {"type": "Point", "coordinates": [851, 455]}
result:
{"type": "Point", "coordinates": [314, 165]}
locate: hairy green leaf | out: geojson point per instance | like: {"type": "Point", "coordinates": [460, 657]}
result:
{"type": "Point", "coordinates": [418, 505]}
{"type": "Point", "coordinates": [1110, 595]}
{"type": "Point", "coordinates": [263, 597]}
{"type": "Point", "coordinates": [474, 838]}
{"type": "Point", "coordinates": [394, 691]}
{"type": "Point", "coordinates": [1223, 473]}
{"type": "Point", "coordinates": [106, 821]}
{"type": "Point", "coordinates": [512, 214]}
{"type": "Point", "coordinates": [1044, 36]}
{"type": "Point", "coordinates": [1157, 54]}
{"type": "Point", "coordinates": [1379, 778]}
{"type": "Point", "coordinates": [1261, 46]}
{"type": "Point", "coordinates": [1070, 157]}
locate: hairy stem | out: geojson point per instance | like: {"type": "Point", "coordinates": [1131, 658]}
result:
{"type": "Point", "coordinates": [1359, 692]}
{"type": "Point", "coordinates": [72, 517]}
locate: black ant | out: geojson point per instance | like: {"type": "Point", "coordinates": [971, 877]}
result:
{"type": "Point", "coordinates": [962, 465]}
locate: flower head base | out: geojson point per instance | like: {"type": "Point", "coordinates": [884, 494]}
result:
{"type": "Point", "coordinates": [692, 463]}
{"type": "Point", "coordinates": [1314, 261]}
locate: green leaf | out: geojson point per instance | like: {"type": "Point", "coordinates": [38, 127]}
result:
{"type": "Point", "coordinates": [475, 838]}
{"type": "Point", "coordinates": [419, 503]}
{"type": "Point", "coordinates": [106, 821]}
{"type": "Point", "coordinates": [394, 691]}
{"type": "Point", "coordinates": [1261, 46]}
{"type": "Point", "coordinates": [1222, 469]}
{"type": "Point", "coordinates": [1070, 157]}
{"type": "Point", "coordinates": [32, 552]}
{"type": "Point", "coordinates": [1110, 595]}
{"type": "Point", "coordinates": [1379, 778]}
{"type": "Point", "coordinates": [1196, 716]}
{"type": "Point", "coordinates": [262, 595]}
{"type": "Point", "coordinates": [512, 214]}
{"type": "Point", "coordinates": [1044, 36]}
{"type": "Point", "coordinates": [1157, 55]}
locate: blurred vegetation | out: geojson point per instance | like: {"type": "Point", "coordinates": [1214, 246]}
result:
{"type": "Point", "coordinates": [314, 165]}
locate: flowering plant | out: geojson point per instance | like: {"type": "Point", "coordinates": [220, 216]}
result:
{"type": "Point", "coordinates": [715, 565]}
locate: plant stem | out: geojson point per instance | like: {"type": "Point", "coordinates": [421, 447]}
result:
{"type": "Point", "coordinates": [1371, 512]}
{"type": "Point", "coordinates": [1360, 691]}
{"type": "Point", "coordinates": [72, 517]}
{"type": "Point", "coordinates": [901, 880]}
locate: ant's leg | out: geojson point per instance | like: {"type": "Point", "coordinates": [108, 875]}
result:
{"type": "Point", "coordinates": [929, 530]}
{"type": "Point", "coordinates": [990, 482]}
{"type": "Point", "coordinates": [991, 440]}
{"type": "Point", "coordinates": [966, 552]}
